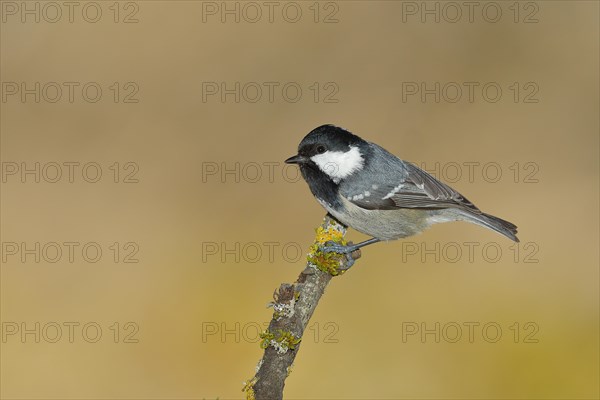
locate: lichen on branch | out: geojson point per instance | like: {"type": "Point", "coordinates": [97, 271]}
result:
{"type": "Point", "coordinates": [293, 305]}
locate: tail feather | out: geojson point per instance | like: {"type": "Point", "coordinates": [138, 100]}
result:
{"type": "Point", "coordinates": [499, 225]}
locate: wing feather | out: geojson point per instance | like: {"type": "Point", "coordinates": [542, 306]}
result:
{"type": "Point", "coordinates": [416, 189]}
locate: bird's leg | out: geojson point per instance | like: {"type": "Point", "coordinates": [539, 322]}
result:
{"type": "Point", "coordinates": [332, 247]}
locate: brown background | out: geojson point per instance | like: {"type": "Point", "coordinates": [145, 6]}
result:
{"type": "Point", "coordinates": [356, 349]}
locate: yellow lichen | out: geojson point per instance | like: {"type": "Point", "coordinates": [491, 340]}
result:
{"type": "Point", "coordinates": [327, 262]}
{"type": "Point", "coordinates": [282, 341]}
{"type": "Point", "coordinates": [249, 388]}
{"type": "Point", "coordinates": [332, 233]}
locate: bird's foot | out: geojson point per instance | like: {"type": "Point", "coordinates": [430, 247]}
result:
{"type": "Point", "coordinates": [350, 251]}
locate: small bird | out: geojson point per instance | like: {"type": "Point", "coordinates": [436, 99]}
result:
{"type": "Point", "coordinates": [367, 188]}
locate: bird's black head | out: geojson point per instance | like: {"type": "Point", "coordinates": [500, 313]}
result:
{"type": "Point", "coordinates": [327, 156]}
{"type": "Point", "coordinates": [332, 150]}
{"type": "Point", "coordinates": [328, 138]}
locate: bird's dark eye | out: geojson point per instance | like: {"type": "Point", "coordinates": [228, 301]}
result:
{"type": "Point", "coordinates": [320, 149]}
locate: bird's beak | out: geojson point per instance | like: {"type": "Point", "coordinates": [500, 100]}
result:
{"type": "Point", "coordinates": [297, 159]}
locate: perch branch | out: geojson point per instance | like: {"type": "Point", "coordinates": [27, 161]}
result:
{"type": "Point", "coordinates": [293, 306]}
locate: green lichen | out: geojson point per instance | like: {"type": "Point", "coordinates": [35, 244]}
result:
{"type": "Point", "coordinates": [282, 341]}
{"type": "Point", "coordinates": [266, 337]}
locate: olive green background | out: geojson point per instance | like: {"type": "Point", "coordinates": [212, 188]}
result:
{"type": "Point", "coordinates": [355, 347]}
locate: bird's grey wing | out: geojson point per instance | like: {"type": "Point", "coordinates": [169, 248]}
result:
{"type": "Point", "coordinates": [405, 185]}
{"type": "Point", "coordinates": [435, 190]}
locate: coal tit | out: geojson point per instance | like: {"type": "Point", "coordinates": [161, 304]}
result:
{"type": "Point", "coordinates": [367, 188]}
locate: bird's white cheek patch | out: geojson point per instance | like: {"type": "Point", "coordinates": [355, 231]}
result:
{"type": "Point", "coordinates": [339, 164]}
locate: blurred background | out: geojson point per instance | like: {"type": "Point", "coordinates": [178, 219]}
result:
{"type": "Point", "coordinates": [147, 215]}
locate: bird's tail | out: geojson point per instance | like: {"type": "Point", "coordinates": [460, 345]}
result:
{"type": "Point", "coordinates": [497, 224]}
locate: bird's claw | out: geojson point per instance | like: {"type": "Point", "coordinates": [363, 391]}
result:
{"type": "Point", "coordinates": [332, 247]}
